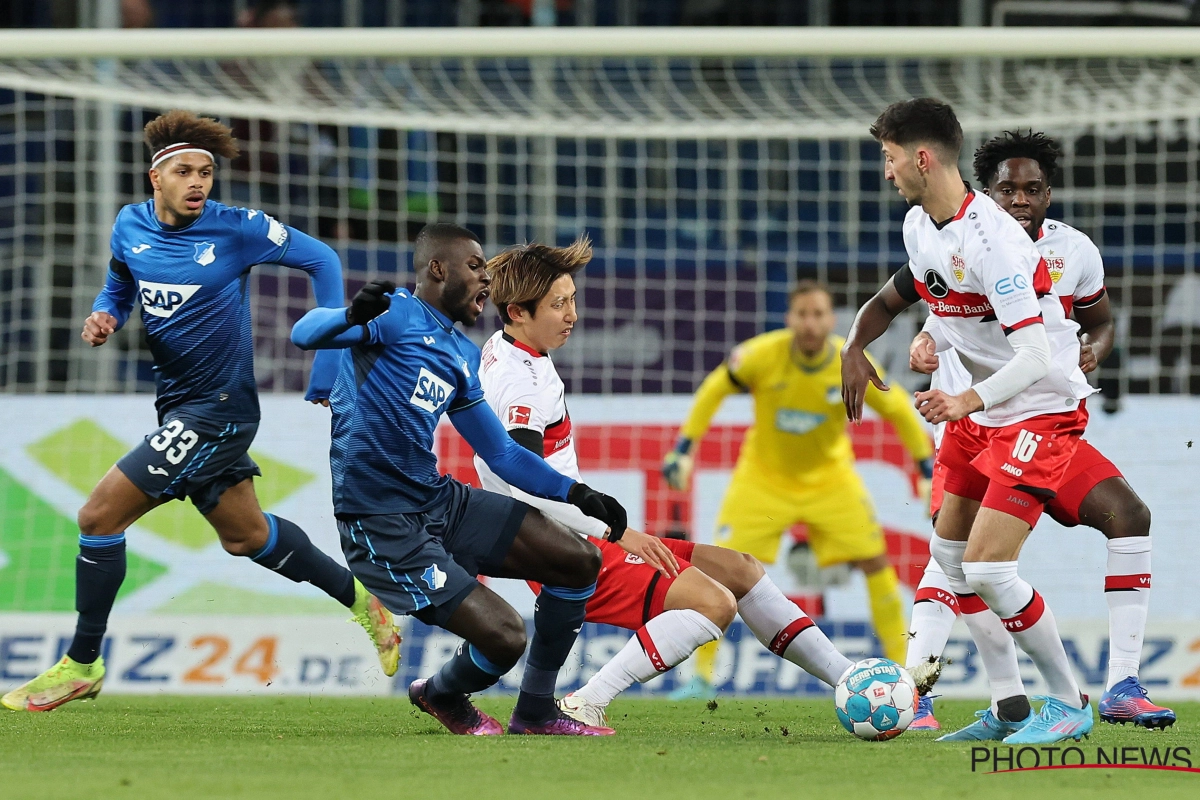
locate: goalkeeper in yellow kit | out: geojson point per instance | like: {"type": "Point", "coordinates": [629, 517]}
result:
{"type": "Point", "coordinates": [797, 462]}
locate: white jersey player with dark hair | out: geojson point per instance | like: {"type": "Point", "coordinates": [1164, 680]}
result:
{"type": "Point", "coordinates": [676, 595]}
{"type": "Point", "coordinates": [1016, 170]}
{"type": "Point", "coordinates": [1010, 436]}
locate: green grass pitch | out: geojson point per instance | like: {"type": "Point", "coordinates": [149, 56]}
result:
{"type": "Point", "coordinates": [296, 747]}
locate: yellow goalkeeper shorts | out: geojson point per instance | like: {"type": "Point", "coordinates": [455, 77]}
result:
{"type": "Point", "coordinates": [836, 509]}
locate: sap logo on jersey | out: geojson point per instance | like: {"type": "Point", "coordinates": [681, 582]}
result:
{"type": "Point", "coordinates": [164, 299]}
{"type": "Point", "coordinates": [431, 392]}
{"type": "Point", "coordinates": [791, 420]}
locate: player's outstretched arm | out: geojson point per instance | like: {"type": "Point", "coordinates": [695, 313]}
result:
{"type": "Point", "coordinates": [518, 467]}
{"type": "Point", "coordinates": [870, 323]}
{"type": "Point", "coordinates": [326, 328]}
{"type": "Point", "coordinates": [677, 464]}
{"type": "Point", "coordinates": [322, 264]}
{"type": "Point", "coordinates": [113, 305]}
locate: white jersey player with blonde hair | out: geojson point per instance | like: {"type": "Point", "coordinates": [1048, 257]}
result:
{"type": "Point", "coordinates": [1010, 436]}
{"type": "Point", "coordinates": [675, 595]}
{"type": "Point", "coordinates": [1016, 170]}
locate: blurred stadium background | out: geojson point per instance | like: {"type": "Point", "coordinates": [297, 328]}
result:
{"type": "Point", "coordinates": [711, 163]}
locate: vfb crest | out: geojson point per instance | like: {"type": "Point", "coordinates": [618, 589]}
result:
{"type": "Point", "coordinates": [958, 266]}
{"type": "Point", "coordinates": [206, 253]}
{"type": "Point", "coordinates": [1056, 267]}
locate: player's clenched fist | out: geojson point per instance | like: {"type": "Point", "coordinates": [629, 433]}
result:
{"type": "Point", "coordinates": [98, 327]}
{"type": "Point", "coordinates": [922, 354]}
{"type": "Point", "coordinates": [937, 406]}
{"type": "Point", "coordinates": [598, 505]}
{"type": "Point", "coordinates": [370, 301]}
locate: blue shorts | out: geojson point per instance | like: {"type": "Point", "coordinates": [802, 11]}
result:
{"type": "Point", "coordinates": [191, 457]}
{"type": "Point", "coordinates": [425, 563]}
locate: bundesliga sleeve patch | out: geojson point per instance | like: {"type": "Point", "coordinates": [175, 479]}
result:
{"type": "Point", "coordinates": [519, 415]}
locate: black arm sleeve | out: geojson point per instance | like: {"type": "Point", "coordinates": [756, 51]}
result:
{"type": "Point", "coordinates": [529, 439]}
{"type": "Point", "coordinates": [120, 269]}
{"type": "Point", "coordinates": [905, 285]}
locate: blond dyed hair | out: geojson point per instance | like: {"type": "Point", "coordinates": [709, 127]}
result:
{"type": "Point", "coordinates": [523, 275]}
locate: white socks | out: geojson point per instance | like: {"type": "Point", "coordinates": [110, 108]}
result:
{"type": "Point", "coordinates": [933, 612]}
{"type": "Point", "coordinates": [996, 647]}
{"type": "Point", "coordinates": [657, 646]}
{"type": "Point", "coordinates": [1027, 617]}
{"type": "Point", "coordinates": [1127, 590]}
{"type": "Point", "coordinates": [787, 631]}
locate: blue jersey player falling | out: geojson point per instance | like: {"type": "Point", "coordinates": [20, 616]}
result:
{"type": "Point", "coordinates": [418, 539]}
{"type": "Point", "coordinates": [186, 259]}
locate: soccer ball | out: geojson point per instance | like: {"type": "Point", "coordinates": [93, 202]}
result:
{"type": "Point", "coordinates": [876, 699]}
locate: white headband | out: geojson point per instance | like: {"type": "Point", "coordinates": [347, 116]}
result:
{"type": "Point", "coordinates": [177, 149]}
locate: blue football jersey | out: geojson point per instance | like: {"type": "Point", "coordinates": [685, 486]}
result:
{"type": "Point", "coordinates": [192, 283]}
{"type": "Point", "coordinates": [412, 367]}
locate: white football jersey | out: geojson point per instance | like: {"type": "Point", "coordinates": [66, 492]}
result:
{"type": "Point", "coordinates": [522, 386]}
{"type": "Point", "coordinates": [1075, 268]}
{"type": "Point", "coordinates": [983, 278]}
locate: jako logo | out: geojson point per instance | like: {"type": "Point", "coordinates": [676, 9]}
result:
{"type": "Point", "coordinates": [431, 392]}
{"type": "Point", "coordinates": [164, 299]}
{"type": "Point", "coordinates": [1011, 470]}
{"type": "Point", "coordinates": [1012, 498]}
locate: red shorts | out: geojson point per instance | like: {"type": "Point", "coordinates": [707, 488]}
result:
{"type": "Point", "coordinates": [1088, 468]}
{"type": "Point", "coordinates": [1032, 458]}
{"type": "Point", "coordinates": [630, 592]}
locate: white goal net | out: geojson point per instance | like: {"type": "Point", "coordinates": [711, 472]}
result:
{"type": "Point", "coordinates": [710, 167]}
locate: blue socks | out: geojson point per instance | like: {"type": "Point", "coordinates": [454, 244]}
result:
{"type": "Point", "coordinates": [468, 671]}
{"type": "Point", "coordinates": [557, 618]}
{"type": "Point", "coordinates": [99, 573]}
{"type": "Point", "coordinates": [289, 552]}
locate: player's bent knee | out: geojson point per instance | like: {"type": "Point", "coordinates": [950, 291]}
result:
{"type": "Point", "coordinates": [1132, 518]}
{"type": "Point", "coordinates": [92, 521]}
{"type": "Point", "coordinates": [704, 595]}
{"type": "Point", "coordinates": [505, 643]}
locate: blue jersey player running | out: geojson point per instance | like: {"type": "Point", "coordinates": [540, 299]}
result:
{"type": "Point", "coordinates": [187, 259]}
{"type": "Point", "coordinates": [418, 539]}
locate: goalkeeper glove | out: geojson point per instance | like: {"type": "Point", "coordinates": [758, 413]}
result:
{"type": "Point", "coordinates": [600, 506]}
{"type": "Point", "coordinates": [677, 466]}
{"type": "Point", "coordinates": [370, 301]}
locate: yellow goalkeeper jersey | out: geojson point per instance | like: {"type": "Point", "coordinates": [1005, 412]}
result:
{"type": "Point", "coordinates": [799, 431]}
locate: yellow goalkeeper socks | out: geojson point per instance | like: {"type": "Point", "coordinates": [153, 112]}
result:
{"type": "Point", "coordinates": [887, 612]}
{"type": "Point", "coordinates": [706, 661]}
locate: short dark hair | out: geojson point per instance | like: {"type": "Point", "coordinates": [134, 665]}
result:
{"type": "Point", "coordinates": [524, 274]}
{"type": "Point", "coordinates": [1014, 144]}
{"type": "Point", "coordinates": [921, 120]}
{"type": "Point", "coordinates": [433, 237]}
{"type": "Point", "coordinates": [178, 126]}
{"type": "Point", "coordinates": [807, 286]}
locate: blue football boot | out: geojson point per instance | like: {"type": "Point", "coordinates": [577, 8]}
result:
{"type": "Point", "coordinates": [1127, 702]}
{"type": "Point", "coordinates": [1056, 722]}
{"type": "Point", "coordinates": [987, 728]}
